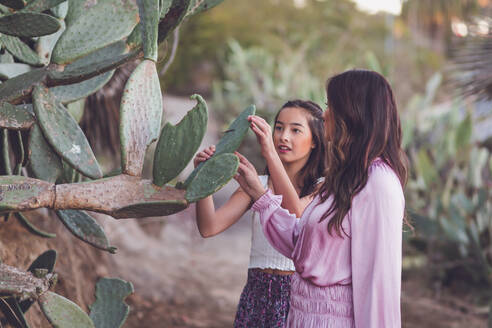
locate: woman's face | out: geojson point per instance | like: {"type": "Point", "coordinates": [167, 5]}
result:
{"type": "Point", "coordinates": [292, 136]}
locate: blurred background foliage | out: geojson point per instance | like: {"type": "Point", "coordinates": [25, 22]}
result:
{"type": "Point", "coordinates": [437, 56]}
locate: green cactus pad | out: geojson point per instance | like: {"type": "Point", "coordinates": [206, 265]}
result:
{"type": "Point", "coordinates": [77, 74]}
{"type": "Point", "coordinates": [63, 313]}
{"type": "Point", "coordinates": [15, 4]}
{"type": "Point", "coordinates": [13, 313]}
{"type": "Point", "coordinates": [6, 58]}
{"type": "Point", "coordinates": [19, 88]}
{"type": "Point", "coordinates": [9, 71]}
{"type": "Point", "coordinates": [42, 5]}
{"type": "Point", "coordinates": [178, 143]}
{"type": "Point", "coordinates": [214, 174]}
{"type": "Point", "coordinates": [92, 25]}
{"type": "Point", "coordinates": [197, 6]}
{"type": "Point", "coordinates": [19, 193]}
{"type": "Point", "coordinates": [18, 117]}
{"type": "Point", "coordinates": [64, 134]}
{"type": "Point", "coordinates": [231, 140]}
{"type": "Point", "coordinates": [109, 310]}
{"type": "Point", "coordinates": [150, 208]}
{"type": "Point", "coordinates": [20, 50]}
{"type": "Point", "coordinates": [45, 44]}
{"type": "Point", "coordinates": [61, 10]}
{"type": "Point", "coordinates": [84, 227]}
{"type": "Point", "coordinates": [31, 227]}
{"type": "Point", "coordinates": [173, 17]}
{"type": "Point", "coordinates": [47, 261]}
{"type": "Point", "coordinates": [149, 16]}
{"type": "Point", "coordinates": [44, 163]}
{"type": "Point", "coordinates": [140, 116]}
{"type": "Point", "coordinates": [28, 24]}
{"type": "Point", "coordinates": [76, 109]}
{"type": "Point", "coordinates": [71, 92]}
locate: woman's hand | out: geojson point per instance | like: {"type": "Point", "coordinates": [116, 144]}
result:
{"type": "Point", "coordinates": [204, 155]}
{"type": "Point", "coordinates": [248, 178]}
{"type": "Point", "coordinates": [263, 133]}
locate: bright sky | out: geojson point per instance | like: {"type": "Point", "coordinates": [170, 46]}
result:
{"type": "Point", "coordinates": [373, 6]}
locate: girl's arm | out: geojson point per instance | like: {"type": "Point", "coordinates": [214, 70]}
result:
{"type": "Point", "coordinates": [281, 182]}
{"type": "Point", "coordinates": [210, 221]}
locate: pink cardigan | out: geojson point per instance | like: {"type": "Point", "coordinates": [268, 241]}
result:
{"type": "Point", "coordinates": [370, 259]}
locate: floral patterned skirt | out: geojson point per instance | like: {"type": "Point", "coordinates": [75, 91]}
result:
{"type": "Point", "coordinates": [264, 302]}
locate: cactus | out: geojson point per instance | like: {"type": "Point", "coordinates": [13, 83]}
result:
{"type": "Point", "coordinates": [140, 113]}
{"type": "Point", "coordinates": [75, 54]}
{"type": "Point", "coordinates": [109, 309]}
{"type": "Point", "coordinates": [178, 143]}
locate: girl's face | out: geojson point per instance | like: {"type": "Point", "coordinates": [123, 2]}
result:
{"type": "Point", "coordinates": [292, 136]}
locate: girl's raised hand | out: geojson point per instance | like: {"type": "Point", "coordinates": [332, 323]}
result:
{"type": "Point", "coordinates": [263, 133]}
{"type": "Point", "coordinates": [204, 155]}
{"type": "Point", "coordinates": [248, 179]}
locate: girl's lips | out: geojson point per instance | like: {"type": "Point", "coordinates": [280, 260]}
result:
{"type": "Point", "coordinates": [283, 149]}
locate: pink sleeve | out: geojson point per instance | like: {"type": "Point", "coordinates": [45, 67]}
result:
{"type": "Point", "coordinates": [278, 224]}
{"type": "Point", "coordinates": [376, 246]}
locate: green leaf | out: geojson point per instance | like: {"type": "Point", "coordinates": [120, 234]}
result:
{"type": "Point", "coordinates": [109, 310]}
{"type": "Point", "coordinates": [231, 140]}
{"type": "Point", "coordinates": [41, 5]}
{"type": "Point", "coordinates": [44, 163]}
{"type": "Point", "coordinates": [8, 71]}
{"type": "Point", "coordinates": [64, 134]}
{"type": "Point", "coordinates": [149, 16]}
{"type": "Point", "coordinates": [215, 173]}
{"type": "Point", "coordinates": [29, 24]}
{"type": "Point", "coordinates": [63, 313]}
{"type": "Point", "coordinates": [464, 133]}
{"type": "Point", "coordinates": [76, 109]}
{"type": "Point", "coordinates": [140, 116]}
{"type": "Point", "coordinates": [92, 26]}
{"type": "Point", "coordinates": [20, 50]}
{"type": "Point", "coordinates": [178, 143]}
{"type": "Point", "coordinates": [72, 92]}
{"type": "Point", "coordinates": [19, 88]}
{"type": "Point", "coordinates": [84, 227]}
{"type": "Point", "coordinates": [16, 117]}
{"type": "Point", "coordinates": [425, 168]}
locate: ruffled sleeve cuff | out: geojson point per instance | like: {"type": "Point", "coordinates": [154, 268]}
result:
{"type": "Point", "coordinates": [266, 200]}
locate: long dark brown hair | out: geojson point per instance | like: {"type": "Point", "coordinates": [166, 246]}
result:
{"type": "Point", "coordinates": [316, 164]}
{"type": "Point", "coordinates": [364, 125]}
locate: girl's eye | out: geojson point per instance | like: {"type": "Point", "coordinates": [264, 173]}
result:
{"type": "Point", "coordinates": [278, 128]}
{"type": "Point", "coordinates": [296, 130]}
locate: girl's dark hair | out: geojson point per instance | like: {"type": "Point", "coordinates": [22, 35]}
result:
{"type": "Point", "coordinates": [364, 126]}
{"type": "Point", "coordinates": [316, 164]}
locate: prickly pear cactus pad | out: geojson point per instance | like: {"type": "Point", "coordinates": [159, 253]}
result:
{"type": "Point", "coordinates": [76, 91]}
{"type": "Point", "coordinates": [44, 163]}
{"type": "Point", "coordinates": [19, 193]}
{"type": "Point", "coordinates": [215, 173]}
{"type": "Point", "coordinates": [20, 50]}
{"type": "Point", "coordinates": [41, 5]}
{"type": "Point", "coordinates": [64, 134]}
{"type": "Point", "coordinates": [28, 24]}
{"type": "Point", "coordinates": [140, 116]}
{"type": "Point", "coordinates": [16, 117]}
{"type": "Point", "coordinates": [92, 25]}
{"type": "Point", "coordinates": [15, 4]}
{"type": "Point", "coordinates": [109, 310]}
{"type": "Point", "coordinates": [84, 227]}
{"type": "Point", "coordinates": [20, 87]}
{"type": "Point", "coordinates": [197, 6]}
{"type": "Point", "coordinates": [63, 313]}
{"type": "Point", "coordinates": [231, 140]}
{"type": "Point", "coordinates": [173, 17]}
{"type": "Point", "coordinates": [149, 14]}
{"type": "Point", "coordinates": [178, 143]}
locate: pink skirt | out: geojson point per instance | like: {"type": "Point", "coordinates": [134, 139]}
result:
{"type": "Point", "coordinates": [313, 306]}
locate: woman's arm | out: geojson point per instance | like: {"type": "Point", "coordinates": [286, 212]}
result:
{"type": "Point", "coordinates": [376, 245]}
{"type": "Point", "coordinates": [210, 221]}
{"type": "Point", "coordinates": [281, 182]}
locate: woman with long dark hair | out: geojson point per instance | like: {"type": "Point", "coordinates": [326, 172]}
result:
{"type": "Point", "coordinates": [347, 246]}
{"type": "Point", "coordinates": [297, 145]}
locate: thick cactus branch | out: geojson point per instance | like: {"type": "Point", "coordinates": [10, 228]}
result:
{"type": "Point", "coordinates": [22, 285]}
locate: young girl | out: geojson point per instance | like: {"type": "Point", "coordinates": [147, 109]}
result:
{"type": "Point", "coordinates": [347, 246]}
{"type": "Point", "coordinates": [298, 146]}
